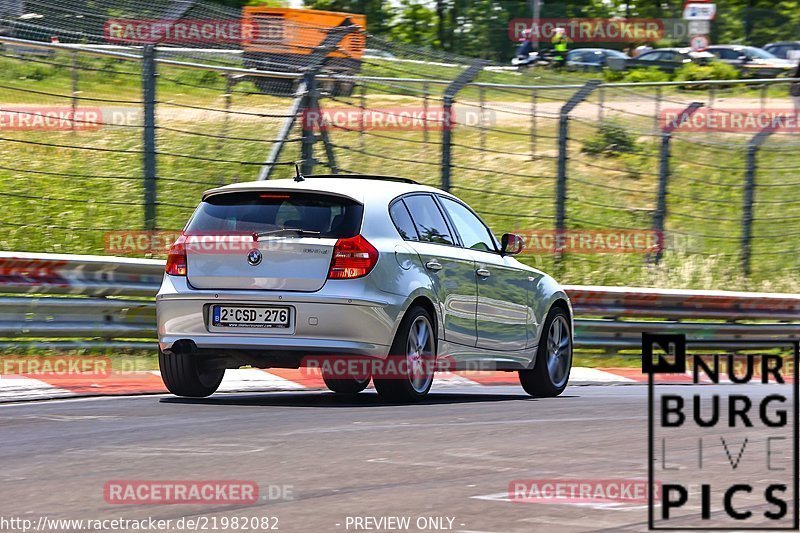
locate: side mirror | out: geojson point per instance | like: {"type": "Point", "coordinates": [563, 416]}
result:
{"type": "Point", "coordinates": [511, 244]}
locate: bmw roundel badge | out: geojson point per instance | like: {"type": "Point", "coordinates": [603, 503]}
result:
{"type": "Point", "coordinates": [254, 257]}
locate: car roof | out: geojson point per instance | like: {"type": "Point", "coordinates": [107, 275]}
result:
{"type": "Point", "coordinates": [357, 187]}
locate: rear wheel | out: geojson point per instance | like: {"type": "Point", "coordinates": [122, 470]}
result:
{"type": "Point", "coordinates": [184, 374]}
{"type": "Point", "coordinates": [550, 373]}
{"type": "Point", "coordinates": [409, 374]}
{"type": "Point", "coordinates": [346, 385]}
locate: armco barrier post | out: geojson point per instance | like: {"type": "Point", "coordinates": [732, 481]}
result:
{"type": "Point", "coordinates": [749, 192]}
{"type": "Point", "coordinates": [469, 74]}
{"type": "Point", "coordinates": [149, 99]}
{"type": "Point", "coordinates": [660, 215]}
{"type": "Point", "coordinates": [563, 131]}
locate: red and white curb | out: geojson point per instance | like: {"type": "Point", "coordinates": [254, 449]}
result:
{"type": "Point", "coordinates": [42, 387]}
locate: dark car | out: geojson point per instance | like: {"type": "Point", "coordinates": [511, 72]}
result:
{"type": "Point", "coordinates": [668, 59]}
{"type": "Point", "coordinates": [751, 61]}
{"type": "Point", "coordinates": [593, 58]}
{"type": "Point", "coordinates": [785, 50]}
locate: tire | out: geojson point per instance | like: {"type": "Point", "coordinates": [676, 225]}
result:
{"type": "Point", "coordinates": [550, 373]}
{"type": "Point", "coordinates": [345, 385]}
{"type": "Point", "coordinates": [412, 349]}
{"type": "Point", "coordinates": [184, 375]}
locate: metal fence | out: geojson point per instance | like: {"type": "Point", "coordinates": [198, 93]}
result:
{"type": "Point", "coordinates": [532, 156]}
{"type": "Point", "coordinates": [62, 301]}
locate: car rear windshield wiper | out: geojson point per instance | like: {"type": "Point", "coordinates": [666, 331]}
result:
{"type": "Point", "coordinates": [284, 231]}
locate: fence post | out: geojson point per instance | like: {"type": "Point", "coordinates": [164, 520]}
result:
{"type": "Point", "coordinates": [482, 119]}
{"type": "Point", "coordinates": [601, 100]}
{"type": "Point", "coordinates": [749, 192]}
{"type": "Point", "coordinates": [563, 130]}
{"type": "Point", "coordinates": [533, 124]}
{"type": "Point", "coordinates": [306, 87]}
{"type": "Point", "coordinates": [307, 127]}
{"type": "Point", "coordinates": [425, 105]}
{"type": "Point", "coordinates": [74, 77]}
{"type": "Point", "coordinates": [660, 215]}
{"type": "Point", "coordinates": [149, 132]}
{"type": "Point", "coordinates": [362, 100]}
{"type": "Point", "coordinates": [469, 74]}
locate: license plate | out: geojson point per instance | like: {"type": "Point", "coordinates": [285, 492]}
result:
{"type": "Point", "coordinates": [249, 316]}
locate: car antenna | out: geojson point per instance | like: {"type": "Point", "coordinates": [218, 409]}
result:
{"type": "Point", "coordinates": [298, 176]}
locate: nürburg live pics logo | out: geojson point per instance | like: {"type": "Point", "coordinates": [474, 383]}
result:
{"type": "Point", "coordinates": [722, 434]}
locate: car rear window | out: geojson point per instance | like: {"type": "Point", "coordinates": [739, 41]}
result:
{"type": "Point", "coordinates": [249, 212]}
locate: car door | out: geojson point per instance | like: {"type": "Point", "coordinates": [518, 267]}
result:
{"type": "Point", "coordinates": [502, 313]}
{"type": "Point", "coordinates": [451, 268]}
{"type": "Point", "coordinates": [649, 59]}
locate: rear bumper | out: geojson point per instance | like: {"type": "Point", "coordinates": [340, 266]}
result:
{"type": "Point", "coordinates": [323, 322]}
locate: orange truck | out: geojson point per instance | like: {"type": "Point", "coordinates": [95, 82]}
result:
{"type": "Point", "coordinates": [283, 40]}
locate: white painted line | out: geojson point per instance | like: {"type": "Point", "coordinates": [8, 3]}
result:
{"type": "Point", "coordinates": [18, 388]}
{"type": "Point", "coordinates": [253, 379]}
{"type": "Point", "coordinates": [582, 374]}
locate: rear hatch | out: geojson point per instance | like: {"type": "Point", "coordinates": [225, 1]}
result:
{"type": "Point", "coordinates": [267, 240]}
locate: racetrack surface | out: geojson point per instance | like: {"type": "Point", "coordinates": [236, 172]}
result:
{"type": "Point", "coordinates": [452, 455]}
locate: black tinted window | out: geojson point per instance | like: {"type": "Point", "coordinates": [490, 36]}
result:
{"type": "Point", "coordinates": [402, 221]}
{"type": "Point", "coordinates": [428, 219]}
{"type": "Point", "coordinates": [249, 212]}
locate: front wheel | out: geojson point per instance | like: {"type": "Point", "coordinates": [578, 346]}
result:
{"type": "Point", "coordinates": [550, 373]}
{"type": "Point", "coordinates": [409, 370]}
{"type": "Point", "coordinates": [184, 374]}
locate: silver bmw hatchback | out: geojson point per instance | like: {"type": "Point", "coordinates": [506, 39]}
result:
{"type": "Point", "coordinates": [368, 278]}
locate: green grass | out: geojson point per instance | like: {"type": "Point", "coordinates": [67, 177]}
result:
{"type": "Point", "coordinates": [59, 199]}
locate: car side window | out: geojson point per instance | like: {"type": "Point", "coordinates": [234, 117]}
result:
{"type": "Point", "coordinates": [428, 220]}
{"type": "Point", "coordinates": [652, 56]}
{"type": "Point", "coordinates": [402, 221]}
{"type": "Point", "coordinates": [473, 232]}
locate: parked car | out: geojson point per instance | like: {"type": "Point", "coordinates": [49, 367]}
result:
{"type": "Point", "coordinates": [751, 61]}
{"type": "Point", "coordinates": [785, 50]}
{"type": "Point", "coordinates": [588, 59]}
{"type": "Point", "coordinates": [354, 266]}
{"type": "Point", "coordinates": [668, 59]}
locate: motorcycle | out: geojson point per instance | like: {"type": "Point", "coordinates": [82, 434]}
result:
{"type": "Point", "coordinates": [540, 58]}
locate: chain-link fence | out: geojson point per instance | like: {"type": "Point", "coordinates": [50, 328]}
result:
{"type": "Point", "coordinates": [608, 183]}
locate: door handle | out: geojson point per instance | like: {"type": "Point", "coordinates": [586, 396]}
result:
{"type": "Point", "coordinates": [482, 272]}
{"type": "Point", "coordinates": [433, 265]}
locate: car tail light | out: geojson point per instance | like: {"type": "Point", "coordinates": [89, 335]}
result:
{"type": "Point", "coordinates": [353, 257]}
{"type": "Point", "coordinates": [176, 259]}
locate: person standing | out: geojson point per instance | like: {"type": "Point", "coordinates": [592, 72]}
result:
{"type": "Point", "coordinates": [560, 43]}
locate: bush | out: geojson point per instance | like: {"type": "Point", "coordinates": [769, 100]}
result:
{"type": "Point", "coordinates": [611, 139]}
{"type": "Point", "coordinates": [716, 70]}
{"type": "Point", "coordinates": [642, 75]}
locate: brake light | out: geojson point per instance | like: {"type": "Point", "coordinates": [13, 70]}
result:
{"type": "Point", "coordinates": [176, 258]}
{"type": "Point", "coordinates": [353, 257]}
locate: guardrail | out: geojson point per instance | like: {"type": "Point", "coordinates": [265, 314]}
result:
{"type": "Point", "coordinates": [77, 301]}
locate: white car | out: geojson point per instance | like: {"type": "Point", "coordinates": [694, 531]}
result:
{"type": "Point", "coordinates": [383, 270]}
